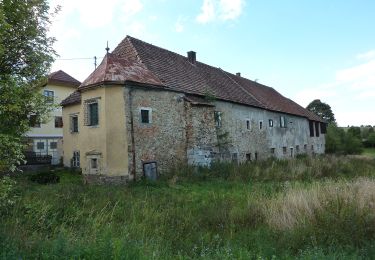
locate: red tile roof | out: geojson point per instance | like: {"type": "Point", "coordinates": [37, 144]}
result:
{"type": "Point", "coordinates": [138, 61]}
{"type": "Point", "coordinates": [74, 98]}
{"type": "Point", "coordinates": [61, 77]}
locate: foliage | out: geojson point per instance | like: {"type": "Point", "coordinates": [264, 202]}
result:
{"type": "Point", "coordinates": [26, 55]}
{"type": "Point", "coordinates": [340, 142]}
{"type": "Point", "coordinates": [45, 178]}
{"type": "Point", "coordinates": [193, 218]}
{"type": "Point", "coordinates": [323, 110]}
{"type": "Point", "coordinates": [8, 194]}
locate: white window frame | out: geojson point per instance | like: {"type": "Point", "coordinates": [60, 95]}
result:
{"type": "Point", "coordinates": [53, 95]}
{"type": "Point", "coordinates": [149, 109]}
{"type": "Point", "coordinates": [270, 122]}
{"type": "Point", "coordinates": [283, 123]}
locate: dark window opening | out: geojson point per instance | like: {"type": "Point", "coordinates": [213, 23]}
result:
{"type": "Point", "coordinates": [305, 147]}
{"type": "Point", "coordinates": [284, 150]}
{"type": "Point", "coordinates": [248, 157]}
{"type": "Point", "coordinates": [76, 159]}
{"type": "Point", "coordinates": [58, 122]}
{"type": "Point", "coordinates": [272, 151]}
{"type": "Point", "coordinates": [235, 157]}
{"type": "Point", "coordinates": [40, 145]}
{"type": "Point", "coordinates": [93, 114]}
{"type": "Point", "coordinates": [256, 156]}
{"type": "Point", "coordinates": [94, 163]}
{"type": "Point", "coordinates": [291, 152]}
{"type": "Point", "coordinates": [311, 125]}
{"type": "Point", "coordinates": [297, 148]}
{"type": "Point", "coordinates": [53, 145]}
{"type": "Point", "coordinates": [248, 124]}
{"type": "Point", "coordinates": [34, 121]}
{"type": "Point", "coordinates": [74, 124]}
{"type": "Point", "coordinates": [260, 125]}
{"type": "Point", "coordinates": [145, 116]}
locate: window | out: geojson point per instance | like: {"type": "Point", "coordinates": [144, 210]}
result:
{"type": "Point", "coordinates": [270, 123]}
{"type": "Point", "coordinates": [93, 114]}
{"type": "Point", "coordinates": [53, 145]}
{"type": "Point", "coordinates": [311, 125]}
{"type": "Point", "coordinates": [217, 115]}
{"type": "Point", "coordinates": [305, 147]}
{"type": "Point", "coordinates": [291, 152]}
{"type": "Point", "coordinates": [40, 145]}
{"type": "Point", "coordinates": [323, 128]}
{"type": "Point", "coordinates": [74, 124]}
{"type": "Point", "coordinates": [49, 95]}
{"type": "Point", "coordinates": [282, 122]}
{"type": "Point", "coordinates": [34, 121]}
{"type": "Point", "coordinates": [273, 151]}
{"type": "Point", "coordinates": [312, 148]}
{"type": "Point", "coordinates": [256, 156]}
{"type": "Point", "coordinates": [297, 148]}
{"type": "Point", "coordinates": [248, 124]}
{"type": "Point", "coordinates": [317, 129]}
{"type": "Point", "coordinates": [235, 157]}
{"type": "Point", "coordinates": [76, 159]}
{"type": "Point", "coordinates": [248, 157]}
{"type": "Point", "coordinates": [58, 122]}
{"type": "Point", "coordinates": [94, 163]}
{"type": "Point", "coordinates": [284, 150]}
{"type": "Point", "coordinates": [145, 115]}
{"type": "Point", "coordinates": [260, 125]}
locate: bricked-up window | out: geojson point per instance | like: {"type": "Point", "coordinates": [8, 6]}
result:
{"type": "Point", "coordinates": [323, 128]}
{"type": "Point", "coordinates": [317, 129]}
{"type": "Point", "coordinates": [49, 95]}
{"type": "Point", "coordinates": [58, 122]}
{"type": "Point", "coordinates": [217, 115]}
{"type": "Point", "coordinates": [74, 123]}
{"type": "Point", "coordinates": [270, 123]}
{"type": "Point", "coordinates": [311, 126]}
{"type": "Point", "coordinates": [282, 122]}
{"type": "Point", "coordinates": [34, 121]}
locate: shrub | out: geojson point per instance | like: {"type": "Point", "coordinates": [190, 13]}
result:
{"type": "Point", "coordinates": [45, 178]}
{"type": "Point", "coordinates": [8, 194]}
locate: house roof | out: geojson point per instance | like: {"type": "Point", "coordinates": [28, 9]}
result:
{"type": "Point", "coordinates": [137, 61]}
{"type": "Point", "coordinates": [74, 98]}
{"type": "Point", "coordinates": [61, 77]}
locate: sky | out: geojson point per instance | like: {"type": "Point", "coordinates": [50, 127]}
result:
{"type": "Point", "coordinates": [306, 50]}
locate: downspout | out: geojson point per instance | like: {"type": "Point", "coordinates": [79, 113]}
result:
{"type": "Point", "coordinates": [132, 131]}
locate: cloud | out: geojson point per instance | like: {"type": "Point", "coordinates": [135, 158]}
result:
{"type": "Point", "coordinates": [132, 7]}
{"type": "Point", "coordinates": [207, 12]}
{"type": "Point", "coordinates": [179, 27]}
{"type": "Point", "coordinates": [366, 56]}
{"type": "Point", "coordinates": [223, 10]}
{"type": "Point", "coordinates": [230, 9]}
{"type": "Point", "coordinates": [351, 92]}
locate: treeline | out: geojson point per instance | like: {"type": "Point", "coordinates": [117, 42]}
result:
{"type": "Point", "coordinates": [350, 140]}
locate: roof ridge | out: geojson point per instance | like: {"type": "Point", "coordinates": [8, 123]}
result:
{"type": "Point", "coordinates": [265, 106]}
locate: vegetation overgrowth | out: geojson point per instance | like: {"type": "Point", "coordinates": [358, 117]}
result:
{"type": "Point", "coordinates": [307, 208]}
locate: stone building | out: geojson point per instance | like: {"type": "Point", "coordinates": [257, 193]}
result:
{"type": "Point", "coordinates": [146, 109]}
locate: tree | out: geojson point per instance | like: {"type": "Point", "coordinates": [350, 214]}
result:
{"type": "Point", "coordinates": [26, 55]}
{"type": "Point", "coordinates": [323, 110]}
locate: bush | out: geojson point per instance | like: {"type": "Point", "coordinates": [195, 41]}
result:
{"type": "Point", "coordinates": [340, 142]}
{"type": "Point", "coordinates": [45, 178]}
{"type": "Point", "coordinates": [8, 194]}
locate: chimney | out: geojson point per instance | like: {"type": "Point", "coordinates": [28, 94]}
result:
{"type": "Point", "coordinates": [238, 74]}
{"type": "Point", "coordinates": [192, 56]}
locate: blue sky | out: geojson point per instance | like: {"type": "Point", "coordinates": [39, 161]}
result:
{"type": "Point", "coordinates": [304, 49]}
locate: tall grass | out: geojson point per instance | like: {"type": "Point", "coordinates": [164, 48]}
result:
{"type": "Point", "coordinates": [306, 208]}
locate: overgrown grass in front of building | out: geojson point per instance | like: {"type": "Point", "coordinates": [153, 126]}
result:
{"type": "Point", "coordinates": [311, 208]}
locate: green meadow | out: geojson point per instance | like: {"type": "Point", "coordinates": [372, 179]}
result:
{"type": "Point", "coordinates": [307, 208]}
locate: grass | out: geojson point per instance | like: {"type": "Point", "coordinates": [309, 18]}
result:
{"type": "Point", "coordinates": [309, 208]}
{"type": "Point", "coordinates": [369, 152]}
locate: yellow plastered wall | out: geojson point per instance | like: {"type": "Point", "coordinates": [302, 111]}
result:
{"type": "Point", "coordinates": [108, 140]}
{"type": "Point", "coordinates": [48, 128]}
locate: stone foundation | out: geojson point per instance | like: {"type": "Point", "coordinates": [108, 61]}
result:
{"type": "Point", "coordinates": [105, 179]}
